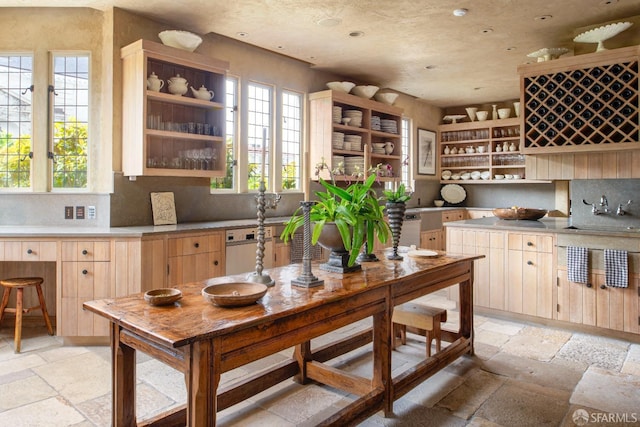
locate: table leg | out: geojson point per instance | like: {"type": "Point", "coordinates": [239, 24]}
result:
{"type": "Point", "coordinates": [382, 358]}
{"type": "Point", "coordinates": [466, 307]}
{"type": "Point", "coordinates": [123, 378]}
{"type": "Point", "coordinates": [202, 377]}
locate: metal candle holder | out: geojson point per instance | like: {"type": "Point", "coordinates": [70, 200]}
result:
{"type": "Point", "coordinates": [306, 279]}
{"type": "Point", "coordinates": [263, 204]}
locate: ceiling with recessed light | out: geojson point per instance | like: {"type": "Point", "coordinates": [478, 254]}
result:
{"type": "Point", "coordinates": [420, 48]}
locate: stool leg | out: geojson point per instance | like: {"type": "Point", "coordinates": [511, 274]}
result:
{"type": "Point", "coordinates": [5, 302]}
{"type": "Point", "coordinates": [43, 308]}
{"type": "Point", "coordinates": [18, 334]}
{"type": "Point", "coordinates": [429, 337]}
{"type": "Point", "coordinates": [437, 332]}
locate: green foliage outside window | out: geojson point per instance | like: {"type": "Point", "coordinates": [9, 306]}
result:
{"type": "Point", "coordinates": [70, 155]}
{"type": "Point", "coordinates": [15, 164]}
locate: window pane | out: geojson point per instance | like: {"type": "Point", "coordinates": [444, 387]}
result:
{"type": "Point", "coordinates": [406, 154]}
{"type": "Point", "coordinates": [231, 101]}
{"type": "Point", "coordinates": [70, 121]}
{"type": "Point", "coordinates": [258, 132]}
{"type": "Point", "coordinates": [16, 76]}
{"type": "Point", "coordinates": [291, 140]}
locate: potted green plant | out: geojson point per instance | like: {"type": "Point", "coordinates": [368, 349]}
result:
{"type": "Point", "coordinates": [355, 212]}
{"type": "Point", "coordinates": [396, 206]}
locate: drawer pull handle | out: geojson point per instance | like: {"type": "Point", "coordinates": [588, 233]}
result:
{"type": "Point", "coordinates": [84, 252]}
{"type": "Point", "coordinates": [589, 285]}
{"type": "Point", "coordinates": [29, 251]}
{"type": "Point", "coordinates": [215, 262]}
{"type": "Point", "coordinates": [529, 262]}
{"type": "Point", "coordinates": [603, 287]}
{"type": "Point", "coordinates": [529, 243]}
{"type": "Point", "coordinates": [196, 245]}
{"type": "Point", "coordinates": [85, 272]}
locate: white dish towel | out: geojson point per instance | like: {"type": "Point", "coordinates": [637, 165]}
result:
{"type": "Point", "coordinates": [577, 264]}
{"type": "Point", "coordinates": [616, 268]}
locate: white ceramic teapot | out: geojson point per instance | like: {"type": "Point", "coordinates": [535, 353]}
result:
{"type": "Point", "coordinates": [202, 93]}
{"type": "Point", "coordinates": [154, 83]}
{"type": "Point", "coordinates": [178, 85]}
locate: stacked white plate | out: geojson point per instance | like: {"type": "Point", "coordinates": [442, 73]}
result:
{"type": "Point", "coordinates": [354, 142]}
{"type": "Point", "coordinates": [353, 163]}
{"type": "Point", "coordinates": [337, 115]}
{"type": "Point", "coordinates": [355, 116]}
{"type": "Point", "coordinates": [375, 122]}
{"type": "Point", "coordinates": [337, 140]}
{"type": "Point", "coordinates": [389, 126]}
{"type": "Point", "coordinates": [336, 160]}
{"type": "Point", "coordinates": [377, 148]}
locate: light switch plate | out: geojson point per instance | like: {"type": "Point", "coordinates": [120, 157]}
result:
{"type": "Point", "coordinates": [91, 212]}
{"type": "Point", "coordinates": [79, 212]}
{"type": "Point", "coordinates": [68, 212]}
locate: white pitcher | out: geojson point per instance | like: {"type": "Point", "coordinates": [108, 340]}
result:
{"type": "Point", "coordinates": [388, 147]}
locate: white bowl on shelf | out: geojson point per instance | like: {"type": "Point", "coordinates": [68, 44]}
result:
{"type": "Point", "coordinates": [504, 113]}
{"type": "Point", "coordinates": [517, 177]}
{"type": "Point", "coordinates": [365, 91]}
{"type": "Point", "coordinates": [482, 115]}
{"type": "Point", "coordinates": [465, 176]}
{"type": "Point", "coordinates": [341, 86]}
{"type": "Point", "coordinates": [438, 203]}
{"type": "Point", "coordinates": [386, 97]}
{"type": "Point", "coordinates": [508, 176]}
{"type": "Point", "coordinates": [498, 177]}
{"type": "Point", "coordinates": [180, 39]}
{"type": "Point", "coordinates": [455, 177]}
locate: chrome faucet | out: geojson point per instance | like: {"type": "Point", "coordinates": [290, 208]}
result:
{"type": "Point", "coordinates": [620, 211]}
{"type": "Point", "coordinates": [604, 203]}
{"type": "Point", "coordinates": [594, 208]}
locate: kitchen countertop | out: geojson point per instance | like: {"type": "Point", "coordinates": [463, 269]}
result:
{"type": "Point", "coordinates": [545, 225]}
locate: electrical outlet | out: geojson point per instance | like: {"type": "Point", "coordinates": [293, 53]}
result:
{"type": "Point", "coordinates": [91, 212]}
{"type": "Point", "coordinates": [68, 212]}
{"type": "Point", "coordinates": [79, 212]}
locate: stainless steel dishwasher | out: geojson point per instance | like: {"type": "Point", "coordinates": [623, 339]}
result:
{"type": "Point", "coordinates": [410, 233]}
{"type": "Point", "coordinates": [241, 246]}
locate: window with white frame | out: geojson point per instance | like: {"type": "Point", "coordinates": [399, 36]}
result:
{"type": "Point", "coordinates": [231, 129]}
{"type": "Point", "coordinates": [406, 153]}
{"type": "Point", "coordinates": [291, 140]}
{"type": "Point", "coordinates": [259, 114]}
{"type": "Point", "coordinates": [70, 127]}
{"type": "Point", "coordinates": [16, 77]}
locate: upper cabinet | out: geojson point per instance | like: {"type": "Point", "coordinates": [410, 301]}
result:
{"type": "Point", "coordinates": [173, 112]}
{"type": "Point", "coordinates": [350, 134]}
{"type": "Point", "coordinates": [581, 103]}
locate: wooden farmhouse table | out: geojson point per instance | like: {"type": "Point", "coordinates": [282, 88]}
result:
{"type": "Point", "coordinates": [203, 340]}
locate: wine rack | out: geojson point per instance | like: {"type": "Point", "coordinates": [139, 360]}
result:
{"type": "Point", "coordinates": [588, 108]}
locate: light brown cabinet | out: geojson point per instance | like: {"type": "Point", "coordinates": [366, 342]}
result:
{"type": "Point", "coordinates": [596, 304]}
{"type": "Point", "coordinates": [495, 138]}
{"type": "Point", "coordinates": [167, 134]}
{"type": "Point", "coordinates": [85, 275]}
{"type": "Point", "coordinates": [432, 239]}
{"type": "Point", "coordinates": [530, 267]}
{"type": "Point", "coordinates": [323, 127]}
{"type": "Point", "coordinates": [195, 257]}
{"type": "Point", "coordinates": [581, 103]}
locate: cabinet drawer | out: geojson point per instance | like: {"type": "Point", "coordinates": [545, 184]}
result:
{"type": "Point", "coordinates": [530, 242]}
{"type": "Point", "coordinates": [188, 245]}
{"type": "Point", "coordinates": [86, 251]}
{"type": "Point", "coordinates": [28, 251]}
{"type": "Point", "coordinates": [452, 216]}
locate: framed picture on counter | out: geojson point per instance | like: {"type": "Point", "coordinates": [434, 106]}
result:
{"type": "Point", "coordinates": [426, 152]}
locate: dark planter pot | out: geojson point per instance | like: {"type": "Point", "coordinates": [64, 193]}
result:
{"type": "Point", "coordinates": [395, 214]}
{"type": "Point", "coordinates": [339, 257]}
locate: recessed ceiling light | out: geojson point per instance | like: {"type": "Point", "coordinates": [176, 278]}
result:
{"type": "Point", "coordinates": [279, 47]}
{"type": "Point", "coordinates": [242, 34]}
{"type": "Point", "coordinates": [429, 67]}
{"type": "Point", "coordinates": [329, 22]}
{"type": "Point", "coordinates": [608, 2]}
{"type": "Point", "coordinates": [477, 88]}
{"type": "Point", "coordinates": [510, 48]}
{"type": "Point", "coordinates": [460, 12]}
{"type": "Point", "coordinates": [486, 30]}
{"type": "Point", "coordinates": [543, 18]}
{"type": "Point", "coordinates": [356, 33]}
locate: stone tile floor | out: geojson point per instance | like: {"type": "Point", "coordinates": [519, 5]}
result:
{"type": "Point", "coordinates": [521, 375]}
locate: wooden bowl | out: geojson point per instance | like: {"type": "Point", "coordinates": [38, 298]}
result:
{"type": "Point", "coordinates": [519, 213]}
{"type": "Point", "coordinates": [162, 296]}
{"type": "Point", "coordinates": [234, 294]}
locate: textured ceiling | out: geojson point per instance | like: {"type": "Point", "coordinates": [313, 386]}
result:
{"type": "Point", "coordinates": [471, 59]}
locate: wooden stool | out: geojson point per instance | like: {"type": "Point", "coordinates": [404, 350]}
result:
{"type": "Point", "coordinates": [20, 283]}
{"type": "Point", "coordinates": [422, 317]}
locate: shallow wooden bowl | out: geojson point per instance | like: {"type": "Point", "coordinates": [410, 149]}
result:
{"type": "Point", "coordinates": [234, 294]}
{"type": "Point", "coordinates": [519, 213]}
{"type": "Point", "coordinates": [162, 296]}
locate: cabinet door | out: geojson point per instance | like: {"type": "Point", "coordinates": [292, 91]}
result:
{"type": "Point", "coordinates": [81, 282]}
{"type": "Point", "coordinates": [216, 264]}
{"type": "Point", "coordinates": [283, 254]}
{"type": "Point", "coordinates": [431, 239]}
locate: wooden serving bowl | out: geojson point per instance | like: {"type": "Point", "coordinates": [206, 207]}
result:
{"type": "Point", "coordinates": [234, 294]}
{"type": "Point", "coordinates": [519, 213]}
{"type": "Point", "coordinates": [162, 296]}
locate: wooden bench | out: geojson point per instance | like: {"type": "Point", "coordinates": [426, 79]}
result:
{"type": "Point", "coordinates": [421, 317]}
